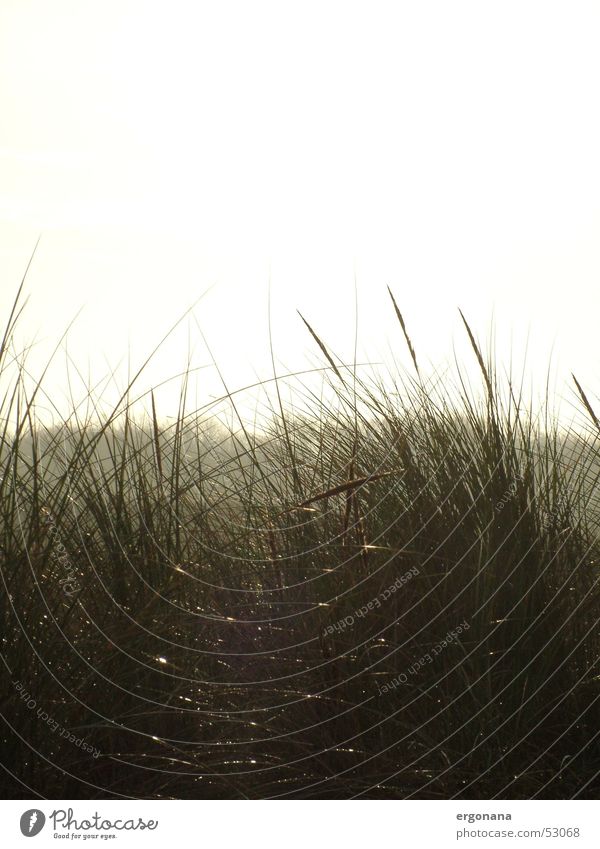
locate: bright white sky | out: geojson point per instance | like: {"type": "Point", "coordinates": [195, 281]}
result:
{"type": "Point", "coordinates": [449, 149]}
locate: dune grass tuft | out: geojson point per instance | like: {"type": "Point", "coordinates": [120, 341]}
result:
{"type": "Point", "coordinates": [198, 611]}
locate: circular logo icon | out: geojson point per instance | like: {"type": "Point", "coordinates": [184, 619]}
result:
{"type": "Point", "coordinates": [32, 822]}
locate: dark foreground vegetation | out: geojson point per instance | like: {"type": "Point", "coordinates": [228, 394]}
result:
{"type": "Point", "coordinates": [392, 594]}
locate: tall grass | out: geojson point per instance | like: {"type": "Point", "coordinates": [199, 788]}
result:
{"type": "Point", "coordinates": [210, 611]}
